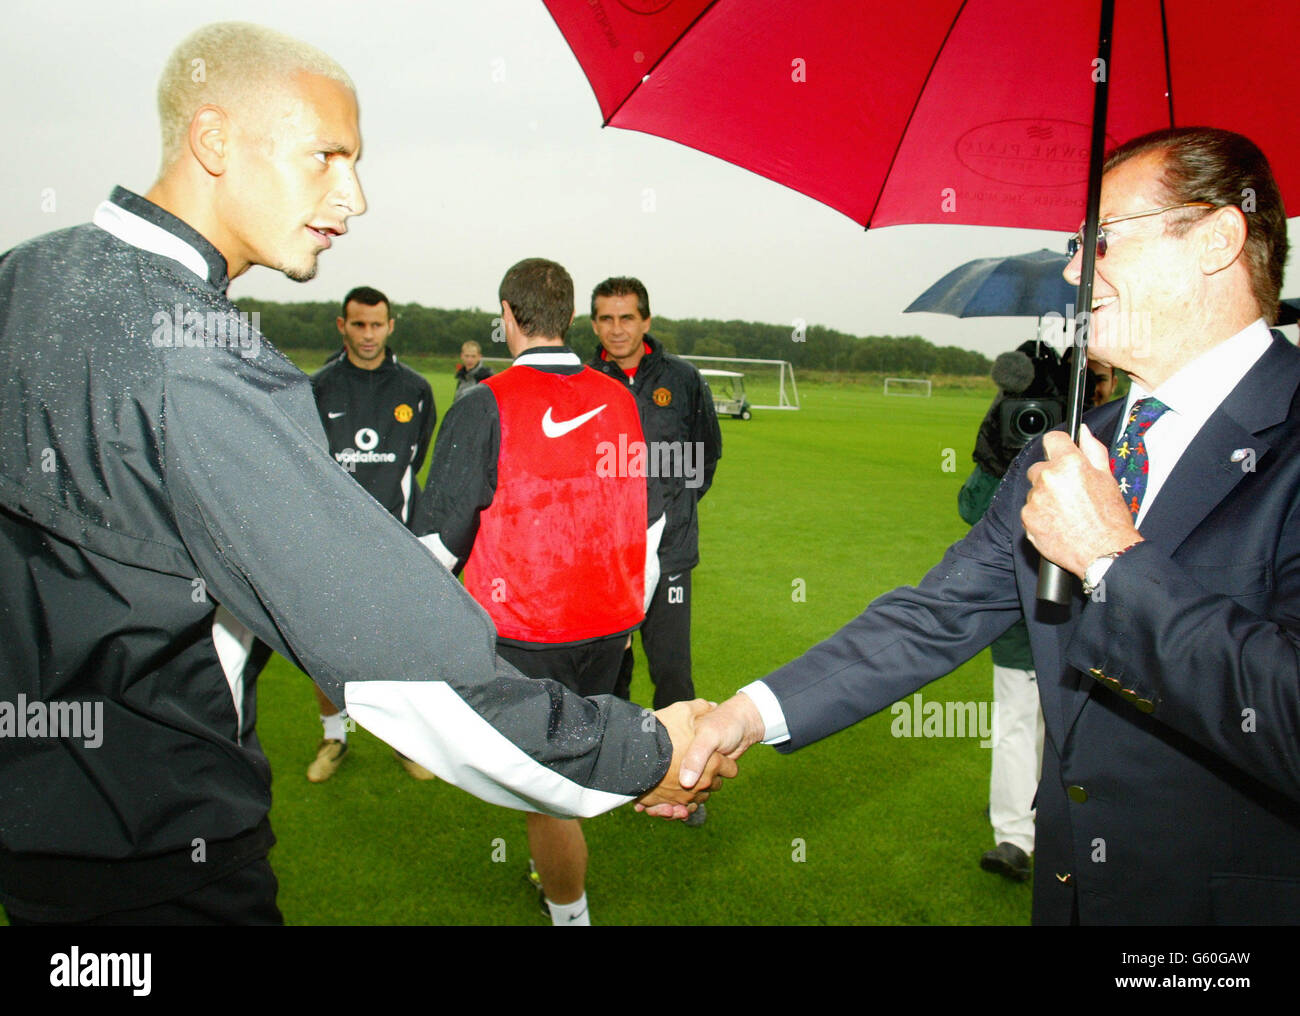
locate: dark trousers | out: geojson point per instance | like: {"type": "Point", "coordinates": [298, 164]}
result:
{"type": "Point", "coordinates": [587, 669]}
{"type": "Point", "coordinates": [666, 641]}
{"type": "Point", "coordinates": [245, 896]}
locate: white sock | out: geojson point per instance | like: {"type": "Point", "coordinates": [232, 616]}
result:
{"type": "Point", "coordinates": [570, 915]}
{"type": "Point", "coordinates": [336, 726]}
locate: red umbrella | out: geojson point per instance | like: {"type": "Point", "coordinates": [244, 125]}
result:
{"type": "Point", "coordinates": [976, 112]}
{"type": "Point", "coordinates": [984, 112]}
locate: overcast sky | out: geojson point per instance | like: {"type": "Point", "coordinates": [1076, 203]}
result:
{"type": "Point", "coordinates": [483, 145]}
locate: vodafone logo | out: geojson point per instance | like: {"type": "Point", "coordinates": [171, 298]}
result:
{"type": "Point", "coordinates": [366, 440]}
{"type": "Point", "coordinates": [558, 428]}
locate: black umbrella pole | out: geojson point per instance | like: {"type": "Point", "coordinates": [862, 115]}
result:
{"type": "Point", "coordinates": [1055, 584]}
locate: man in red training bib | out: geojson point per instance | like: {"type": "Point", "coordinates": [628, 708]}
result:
{"type": "Point", "coordinates": [531, 473]}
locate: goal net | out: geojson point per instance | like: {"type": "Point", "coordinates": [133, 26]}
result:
{"type": "Point", "coordinates": [769, 384]}
{"type": "Point", "coordinates": [915, 386]}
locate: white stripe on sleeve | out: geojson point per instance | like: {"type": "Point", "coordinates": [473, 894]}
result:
{"type": "Point", "coordinates": [408, 478]}
{"type": "Point", "coordinates": [429, 722]}
{"type": "Point", "coordinates": [434, 545]}
{"type": "Point", "coordinates": [652, 537]}
{"type": "Point", "coordinates": [233, 643]}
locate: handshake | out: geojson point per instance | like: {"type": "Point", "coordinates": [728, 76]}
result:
{"type": "Point", "coordinates": [707, 739]}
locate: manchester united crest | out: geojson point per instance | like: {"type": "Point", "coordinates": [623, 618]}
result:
{"type": "Point", "coordinates": [663, 397]}
{"type": "Point", "coordinates": [403, 413]}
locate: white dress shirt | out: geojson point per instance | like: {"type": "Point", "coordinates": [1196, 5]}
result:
{"type": "Point", "coordinates": [1193, 395]}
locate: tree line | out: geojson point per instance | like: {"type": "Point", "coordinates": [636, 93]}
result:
{"type": "Point", "coordinates": [433, 330]}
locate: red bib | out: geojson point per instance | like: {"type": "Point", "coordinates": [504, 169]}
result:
{"type": "Point", "coordinates": [560, 552]}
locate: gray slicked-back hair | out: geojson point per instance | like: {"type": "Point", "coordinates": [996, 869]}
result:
{"type": "Point", "coordinates": [229, 64]}
{"type": "Point", "coordinates": [1222, 168]}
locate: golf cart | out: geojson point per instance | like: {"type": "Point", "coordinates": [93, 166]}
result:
{"type": "Point", "coordinates": [728, 390]}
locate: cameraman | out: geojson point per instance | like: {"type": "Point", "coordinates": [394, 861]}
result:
{"type": "Point", "coordinates": [1032, 385]}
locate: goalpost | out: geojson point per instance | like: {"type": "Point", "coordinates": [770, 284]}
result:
{"type": "Point", "coordinates": [769, 384]}
{"type": "Point", "coordinates": [914, 386]}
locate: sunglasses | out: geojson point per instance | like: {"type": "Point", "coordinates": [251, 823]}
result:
{"type": "Point", "coordinates": [1073, 245]}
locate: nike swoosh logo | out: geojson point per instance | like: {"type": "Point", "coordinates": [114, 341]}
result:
{"type": "Point", "coordinates": [674, 578]}
{"type": "Point", "coordinates": [335, 416]}
{"type": "Point", "coordinates": [554, 428]}
{"type": "Point", "coordinates": [574, 917]}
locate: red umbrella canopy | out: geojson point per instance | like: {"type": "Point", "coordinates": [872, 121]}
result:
{"type": "Point", "coordinates": [940, 111]}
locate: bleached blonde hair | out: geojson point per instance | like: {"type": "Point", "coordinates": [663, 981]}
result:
{"type": "Point", "coordinates": [230, 64]}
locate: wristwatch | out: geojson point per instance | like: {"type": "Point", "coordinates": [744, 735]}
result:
{"type": "Point", "coordinates": [1096, 570]}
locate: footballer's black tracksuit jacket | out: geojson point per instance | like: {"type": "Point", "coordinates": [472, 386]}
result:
{"type": "Point", "coordinates": [378, 424]}
{"type": "Point", "coordinates": [166, 494]}
{"type": "Point", "coordinates": [676, 406]}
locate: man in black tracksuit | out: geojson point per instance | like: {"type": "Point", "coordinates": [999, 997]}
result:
{"type": "Point", "coordinates": [378, 416]}
{"type": "Point", "coordinates": [167, 496]}
{"type": "Point", "coordinates": [681, 429]}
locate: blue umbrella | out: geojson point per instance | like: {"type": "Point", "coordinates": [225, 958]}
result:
{"type": "Point", "coordinates": [1023, 285]}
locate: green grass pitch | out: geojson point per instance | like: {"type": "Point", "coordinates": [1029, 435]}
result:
{"type": "Point", "coordinates": [844, 499]}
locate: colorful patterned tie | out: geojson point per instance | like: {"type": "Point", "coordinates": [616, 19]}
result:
{"type": "Point", "coordinates": [1128, 455]}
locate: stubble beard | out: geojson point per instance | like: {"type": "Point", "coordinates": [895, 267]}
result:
{"type": "Point", "coordinates": [302, 274]}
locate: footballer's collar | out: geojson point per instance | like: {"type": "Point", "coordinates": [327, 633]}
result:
{"type": "Point", "coordinates": [141, 223]}
{"type": "Point", "coordinates": [548, 356]}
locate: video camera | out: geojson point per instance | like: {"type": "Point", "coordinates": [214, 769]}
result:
{"type": "Point", "coordinates": [1033, 385]}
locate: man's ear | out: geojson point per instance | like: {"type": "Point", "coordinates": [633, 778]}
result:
{"type": "Point", "coordinates": [340, 323]}
{"type": "Point", "coordinates": [210, 138]}
{"type": "Point", "coordinates": [515, 339]}
{"type": "Point", "coordinates": [1224, 238]}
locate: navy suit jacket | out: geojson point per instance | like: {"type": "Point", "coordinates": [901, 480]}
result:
{"type": "Point", "coordinates": [1170, 790]}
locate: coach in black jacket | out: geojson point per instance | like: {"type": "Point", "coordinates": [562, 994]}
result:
{"type": "Point", "coordinates": [681, 429]}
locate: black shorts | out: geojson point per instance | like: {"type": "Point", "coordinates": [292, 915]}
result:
{"type": "Point", "coordinates": [590, 668]}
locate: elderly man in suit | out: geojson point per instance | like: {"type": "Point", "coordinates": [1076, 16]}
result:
{"type": "Point", "coordinates": [1170, 685]}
